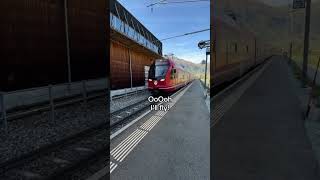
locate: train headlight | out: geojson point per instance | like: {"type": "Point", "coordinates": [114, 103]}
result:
{"type": "Point", "coordinates": [162, 80]}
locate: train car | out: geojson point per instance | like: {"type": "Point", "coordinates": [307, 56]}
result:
{"type": "Point", "coordinates": [236, 50]}
{"type": "Point", "coordinates": [167, 76]}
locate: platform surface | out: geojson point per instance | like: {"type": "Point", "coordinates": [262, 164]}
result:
{"type": "Point", "coordinates": [262, 136]}
{"type": "Point", "coordinates": [178, 147]}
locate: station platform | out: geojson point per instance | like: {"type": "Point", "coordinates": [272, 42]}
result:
{"type": "Point", "coordinates": [262, 136]}
{"type": "Point", "coordinates": [177, 147]}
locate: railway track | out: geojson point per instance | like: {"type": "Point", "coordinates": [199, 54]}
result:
{"type": "Point", "coordinates": [61, 159]}
{"type": "Point", "coordinates": [58, 159]}
{"type": "Point", "coordinates": [120, 116]}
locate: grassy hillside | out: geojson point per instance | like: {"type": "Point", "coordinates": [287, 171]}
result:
{"type": "Point", "coordinates": [266, 21]}
{"type": "Point", "coordinates": [279, 2]}
{"type": "Point", "coordinates": [272, 24]}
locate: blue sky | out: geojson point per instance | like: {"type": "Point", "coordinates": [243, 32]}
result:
{"type": "Point", "coordinates": [175, 19]}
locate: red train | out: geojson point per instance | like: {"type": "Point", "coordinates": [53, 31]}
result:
{"type": "Point", "coordinates": [237, 50]}
{"type": "Point", "coordinates": [167, 76]}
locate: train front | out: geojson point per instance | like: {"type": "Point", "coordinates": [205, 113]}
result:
{"type": "Point", "coordinates": [158, 77]}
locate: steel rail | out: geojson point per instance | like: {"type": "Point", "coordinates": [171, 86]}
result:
{"type": "Point", "coordinates": [44, 150]}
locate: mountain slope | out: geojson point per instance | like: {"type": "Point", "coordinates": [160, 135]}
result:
{"type": "Point", "coordinates": [196, 69]}
{"type": "Point", "coordinates": [272, 23]}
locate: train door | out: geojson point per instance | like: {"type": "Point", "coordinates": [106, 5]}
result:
{"type": "Point", "coordinates": [173, 76]}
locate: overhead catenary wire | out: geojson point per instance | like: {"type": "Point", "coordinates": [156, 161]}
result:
{"type": "Point", "coordinates": [184, 1]}
{"type": "Point", "coordinates": [159, 2]}
{"type": "Point", "coordinates": [185, 34]}
{"type": "Point", "coordinates": [176, 2]}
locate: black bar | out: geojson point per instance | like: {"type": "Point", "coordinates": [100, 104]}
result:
{"type": "Point", "coordinates": [306, 43]}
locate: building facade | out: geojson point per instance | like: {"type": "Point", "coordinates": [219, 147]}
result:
{"type": "Point", "coordinates": [132, 48]}
{"type": "Point", "coordinates": [34, 38]}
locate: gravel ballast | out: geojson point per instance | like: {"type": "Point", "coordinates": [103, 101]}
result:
{"type": "Point", "coordinates": [30, 133]}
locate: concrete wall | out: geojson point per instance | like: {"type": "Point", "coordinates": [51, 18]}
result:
{"type": "Point", "coordinates": [26, 97]}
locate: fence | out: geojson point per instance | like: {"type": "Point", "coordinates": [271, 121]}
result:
{"type": "Point", "coordinates": [47, 97]}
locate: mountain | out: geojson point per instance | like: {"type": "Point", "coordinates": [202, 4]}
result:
{"type": "Point", "coordinates": [275, 2]}
{"type": "Point", "coordinates": [280, 2]}
{"type": "Point", "coordinates": [272, 23]}
{"type": "Point", "coordinates": [196, 69]}
{"type": "Point", "coordinates": [266, 21]}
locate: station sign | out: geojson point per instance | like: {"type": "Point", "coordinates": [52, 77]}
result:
{"type": "Point", "coordinates": [299, 4]}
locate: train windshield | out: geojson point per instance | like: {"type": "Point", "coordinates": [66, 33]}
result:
{"type": "Point", "coordinates": [158, 70]}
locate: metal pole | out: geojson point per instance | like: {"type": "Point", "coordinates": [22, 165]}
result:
{"type": "Point", "coordinates": [67, 39]}
{"type": "Point", "coordinates": [291, 44]}
{"type": "Point", "coordinates": [291, 22]}
{"type": "Point", "coordinates": [290, 29]}
{"type": "Point", "coordinates": [205, 73]}
{"type": "Point", "coordinates": [3, 112]}
{"type": "Point", "coordinates": [130, 68]}
{"type": "Point", "coordinates": [289, 17]}
{"type": "Point", "coordinates": [306, 43]}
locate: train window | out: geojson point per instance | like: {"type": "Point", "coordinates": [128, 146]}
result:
{"type": "Point", "coordinates": [161, 62]}
{"type": "Point", "coordinates": [158, 71]}
{"type": "Point", "coordinates": [161, 70]}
